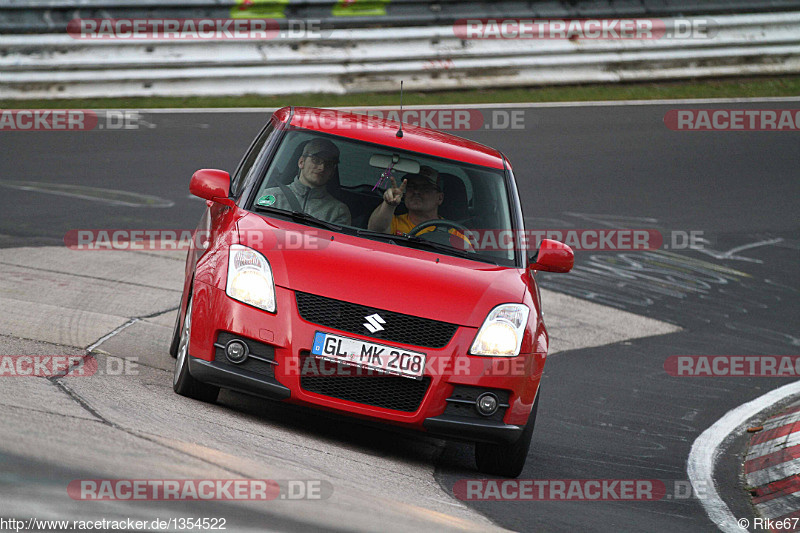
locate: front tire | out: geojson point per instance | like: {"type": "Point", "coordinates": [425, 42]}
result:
{"type": "Point", "coordinates": [182, 381]}
{"type": "Point", "coordinates": [176, 336]}
{"type": "Point", "coordinates": [507, 459]}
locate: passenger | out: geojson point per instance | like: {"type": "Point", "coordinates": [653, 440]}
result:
{"type": "Point", "coordinates": [308, 192]}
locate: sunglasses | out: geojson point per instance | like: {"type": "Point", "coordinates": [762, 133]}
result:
{"type": "Point", "coordinates": [420, 187]}
{"type": "Point", "coordinates": [329, 163]}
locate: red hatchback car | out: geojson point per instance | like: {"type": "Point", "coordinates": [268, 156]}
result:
{"type": "Point", "coordinates": [345, 266]}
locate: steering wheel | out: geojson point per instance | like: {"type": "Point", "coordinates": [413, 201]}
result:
{"type": "Point", "coordinates": [448, 223]}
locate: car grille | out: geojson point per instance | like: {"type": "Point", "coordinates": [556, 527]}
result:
{"type": "Point", "coordinates": [259, 349]}
{"type": "Point", "coordinates": [350, 317]}
{"type": "Point", "coordinates": [389, 392]}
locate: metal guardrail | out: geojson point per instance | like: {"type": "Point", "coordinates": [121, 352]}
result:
{"type": "Point", "coordinates": [359, 60]}
{"type": "Point", "coordinates": [52, 16]}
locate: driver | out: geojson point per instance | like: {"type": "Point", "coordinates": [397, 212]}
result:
{"type": "Point", "coordinates": [423, 196]}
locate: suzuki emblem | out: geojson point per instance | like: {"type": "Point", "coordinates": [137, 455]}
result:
{"type": "Point", "coordinates": [373, 323]}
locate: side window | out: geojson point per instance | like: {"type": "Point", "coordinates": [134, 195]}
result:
{"type": "Point", "coordinates": [248, 164]}
{"type": "Point", "coordinates": [283, 167]}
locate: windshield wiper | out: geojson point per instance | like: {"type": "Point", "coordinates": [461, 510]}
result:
{"type": "Point", "coordinates": [299, 215]}
{"type": "Point", "coordinates": [380, 235]}
{"type": "Point", "coordinates": [443, 248]}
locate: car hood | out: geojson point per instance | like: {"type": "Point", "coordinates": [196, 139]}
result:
{"type": "Point", "coordinates": [381, 274]}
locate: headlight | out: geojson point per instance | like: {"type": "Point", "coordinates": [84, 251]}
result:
{"type": "Point", "coordinates": [502, 331]}
{"type": "Point", "coordinates": [250, 278]}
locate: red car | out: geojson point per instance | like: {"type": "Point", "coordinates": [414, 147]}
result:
{"type": "Point", "coordinates": [362, 266]}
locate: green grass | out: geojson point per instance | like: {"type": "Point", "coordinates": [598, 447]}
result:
{"type": "Point", "coordinates": [720, 88]}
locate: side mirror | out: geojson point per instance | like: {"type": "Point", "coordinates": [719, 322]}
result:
{"type": "Point", "coordinates": [552, 256]}
{"type": "Point", "coordinates": [210, 184]}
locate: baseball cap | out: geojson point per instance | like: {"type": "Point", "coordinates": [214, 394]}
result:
{"type": "Point", "coordinates": [427, 174]}
{"type": "Point", "coordinates": [322, 148]}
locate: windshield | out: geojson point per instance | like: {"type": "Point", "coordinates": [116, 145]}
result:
{"type": "Point", "coordinates": [343, 182]}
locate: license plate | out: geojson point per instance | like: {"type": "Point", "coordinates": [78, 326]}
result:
{"type": "Point", "coordinates": [386, 359]}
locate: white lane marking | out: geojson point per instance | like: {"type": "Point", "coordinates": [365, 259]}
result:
{"type": "Point", "coordinates": [97, 194]}
{"type": "Point", "coordinates": [731, 254]}
{"type": "Point", "coordinates": [517, 105]}
{"type": "Point", "coordinates": [707, 448]}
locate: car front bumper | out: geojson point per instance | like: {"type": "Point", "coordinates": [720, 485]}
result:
{"type": "Point", "coordinates": [291, 338]}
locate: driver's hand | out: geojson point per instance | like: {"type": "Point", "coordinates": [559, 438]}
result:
{"type": "Point", "coordinates": [394, 194]}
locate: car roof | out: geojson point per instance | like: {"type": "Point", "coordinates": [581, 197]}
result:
{"type": "Point", "coordinates": [384, 132]}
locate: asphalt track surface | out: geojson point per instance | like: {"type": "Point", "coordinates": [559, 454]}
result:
{"type": "Point", "coordinates": [608, 412]}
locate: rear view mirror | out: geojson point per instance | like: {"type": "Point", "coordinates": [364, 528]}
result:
{"type": "Point", "coordinates": [552, 256]}
{"type": "Point", "coordinates": [210, 184]}
{"type": "Point", "coordinates": [400, 164]}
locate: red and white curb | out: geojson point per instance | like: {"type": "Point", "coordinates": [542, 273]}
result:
{"type": "Point", "coordinates": [772, 467]}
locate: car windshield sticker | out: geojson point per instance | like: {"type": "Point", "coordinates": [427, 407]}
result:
{"type": "Point", "coordinates": [267, 200]}
{"type": "Point", "coordinates": [385, 175]}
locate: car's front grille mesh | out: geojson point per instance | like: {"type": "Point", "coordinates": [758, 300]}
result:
{"type": "Point", "coordinates": [390, 392]}
{"type": "Point", "coordinates": [350, 317]}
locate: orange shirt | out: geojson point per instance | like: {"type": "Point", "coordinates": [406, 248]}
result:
{"type": "Point", "coordinates": [401, 225]}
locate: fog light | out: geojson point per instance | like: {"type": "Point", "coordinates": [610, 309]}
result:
{"type": "Point", "coordinates": [487, 404]}
{"type": "Point", "coordinates": [236, 351]}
